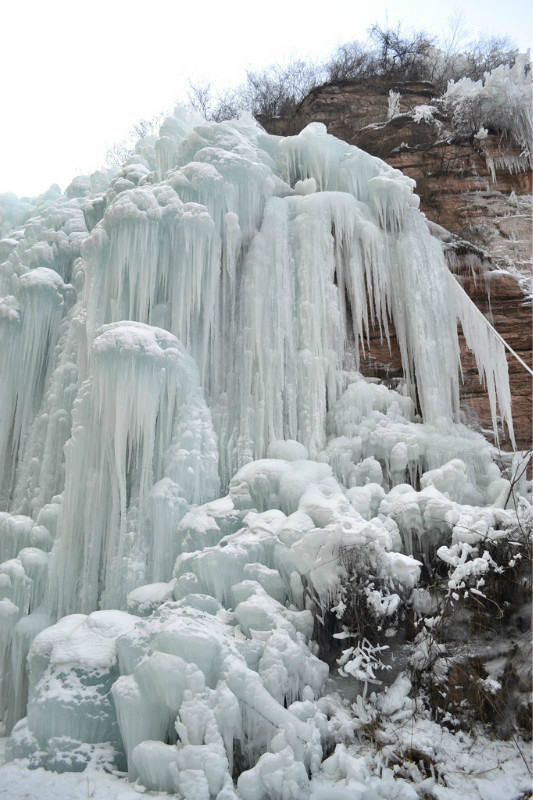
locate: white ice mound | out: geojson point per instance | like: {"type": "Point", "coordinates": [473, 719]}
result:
{"type": "Point", "coordinates": [190, 685]}
{"type": "Point", "coordinates": [72, 666]}
{"type": "Point", "coordinates": [222, 669]}
{"type": "Point", "coordinates": [185, 686]}
{"type": "Point", "coordinates": [373, 439]}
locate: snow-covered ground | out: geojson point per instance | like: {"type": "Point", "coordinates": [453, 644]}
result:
{"type": "Point", "coordinates": [465, 767]}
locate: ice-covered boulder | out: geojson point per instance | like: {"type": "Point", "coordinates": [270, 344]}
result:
{"type": "Point", "coordinates": [72, 667]}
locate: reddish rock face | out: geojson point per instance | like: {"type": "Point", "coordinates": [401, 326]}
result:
{"type": "Point", "coordinates": [496, 294]}
{"type": "Point", "coordinates": [489, 209]}
{"type": "Point", "coordinates": [347, 107]}
{"type": "Point", "coordinates": [499, 296]}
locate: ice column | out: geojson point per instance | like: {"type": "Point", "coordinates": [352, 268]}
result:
{"type": "Point", "coordinates": [29, 327]}
{"type": "Point", "coordinates": [128, 433]}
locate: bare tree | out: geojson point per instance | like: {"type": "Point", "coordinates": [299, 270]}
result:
{"type": "Point", "coordinates": [120, 152]}
{"type": "Point", "coordinates": [200, 97]}
{"type": "Point", "coordinates": [401, 54]}
{"type": "Point", "coordinates": [351, 61]}
{"type": "Point", "coordinates": [276, 91]}
{"type": "Point", "coordinates": [396, 54]}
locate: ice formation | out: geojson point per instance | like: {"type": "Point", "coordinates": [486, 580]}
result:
{"type": "Point", "coordinates": [190, 329]}
{"type": "Point", "coordinates": [503, 101]}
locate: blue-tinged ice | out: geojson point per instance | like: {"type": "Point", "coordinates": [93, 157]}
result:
{"type": "Point", "coordinates": [188, 452]}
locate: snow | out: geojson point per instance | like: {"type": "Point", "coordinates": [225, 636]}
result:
{"type": "Point", "coordinates": [482, 771]}
{"type": "Point", "coordinates": [502, 101]}
{"type": "Point", "coordinates": [194, 482]}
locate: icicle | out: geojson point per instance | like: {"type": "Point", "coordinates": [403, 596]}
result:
{"type": "Point", "coordinates": [489, 354]}
{"type": "Point", "coordinates": [155, 259]}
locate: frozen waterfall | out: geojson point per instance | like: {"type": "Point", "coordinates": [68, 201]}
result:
{"type": "Point", "coordinates": [190, 328]}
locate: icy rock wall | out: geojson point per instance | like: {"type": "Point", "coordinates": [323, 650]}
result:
{"type": "Point", "coordinates": [266, 258]}
{"type": "Point", "coordinates": [286, 248]}
{"type": "Point", "coordinates": [213, 307]}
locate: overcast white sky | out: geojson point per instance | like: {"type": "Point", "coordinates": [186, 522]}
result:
{"type": "Point", "coordinates": [75, 75]}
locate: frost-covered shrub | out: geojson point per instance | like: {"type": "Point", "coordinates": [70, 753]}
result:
{"type": "Point", "coordinates": [501, 101]}
{"type": "Point", "coordinates": [490, 571]}
{"type": "Point", "coordinates": [370, 603]}
{"type": "Point", "coordinates": [459, 622]}
{"type": "Point", "coordinates": [402, 55]}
